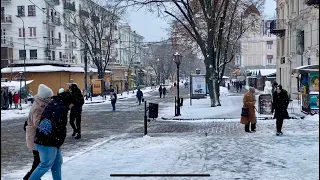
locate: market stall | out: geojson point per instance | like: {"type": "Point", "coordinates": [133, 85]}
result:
{"type": "Point", "coordinates": [308, 86]}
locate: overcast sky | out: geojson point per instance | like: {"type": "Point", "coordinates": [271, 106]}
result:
{"type": "Point", "coordinates": [153, 28]}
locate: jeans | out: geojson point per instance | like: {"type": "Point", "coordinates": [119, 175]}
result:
{"type": "Point", "coordinates": [50, 158]}
{"type": "Point", "coordinates": [113, 106]}
{"type": "Point", "coordinates": [139, 100]}
{"type": "Point", "coordinates": [76, 117]}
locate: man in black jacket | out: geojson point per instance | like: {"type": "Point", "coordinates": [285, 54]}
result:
{"type": "Point", "coordinates": [76, 110]}
{"type": "Point", "coordinates": [50, 136]}
{"type": "Point", "coordinates": [279, 107]}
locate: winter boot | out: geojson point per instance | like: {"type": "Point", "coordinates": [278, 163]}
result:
{"type": "Point", "coordinates": [253, 127]}
{"type": "Point", "coordinates": [78, 136]}
{"type": "Point", "coordinates": [246, 127]}
{"type": "Point", "coordinates": [277, 133]}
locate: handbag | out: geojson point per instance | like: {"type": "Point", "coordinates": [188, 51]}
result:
{"type": "Point", "coordinates": [245, 112]}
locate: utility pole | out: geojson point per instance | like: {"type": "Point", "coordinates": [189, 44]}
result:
{"type": "Point", "coordinates": [86, 70]}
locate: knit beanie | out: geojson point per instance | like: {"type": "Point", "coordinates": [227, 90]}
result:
{"type": "Point", "coordinates": [44, 91]}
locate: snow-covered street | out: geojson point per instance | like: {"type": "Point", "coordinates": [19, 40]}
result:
{"type": "Point", "coordinates": [219, 147]}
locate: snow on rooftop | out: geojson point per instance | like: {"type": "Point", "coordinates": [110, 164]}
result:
{"type": "Point", "coordinates": [47, 68]}
{"type": "Point", "coordinates": [264, 72]}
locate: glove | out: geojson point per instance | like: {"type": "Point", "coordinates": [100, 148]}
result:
{"type": "Point", "coordinates": [25, 125]}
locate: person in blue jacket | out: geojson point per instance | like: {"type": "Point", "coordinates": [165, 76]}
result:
{"type": "Point", "coordinates": [50, 135]}
{"type": "Point", "coordinates": [139, 96]}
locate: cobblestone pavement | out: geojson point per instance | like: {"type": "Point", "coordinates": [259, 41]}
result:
{"type": "Point", "coordinates": [98, 121]}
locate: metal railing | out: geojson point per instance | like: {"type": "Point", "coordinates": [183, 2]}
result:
{"type": "Point", "coordinates": [56, 42]}
{"type": "Point", "coordinates": [7, 41]}
{"type": "Point", "coordinates": [54, 20]}
{"type": "Point", "coordinates": [278, 24]}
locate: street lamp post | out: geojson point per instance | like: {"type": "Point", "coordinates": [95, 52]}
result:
{"type": "Point", "coordinates": [177, 60]}
{"type": "Point", "coordinates": [91, 89]}
{"type": "Point", "coordinates": [25, 54]}
{"type": "Point", "coordinates": [21, 74]}
{"type": "Point", "coordinates": [159, 74]}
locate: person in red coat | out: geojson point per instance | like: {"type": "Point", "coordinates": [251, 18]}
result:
{"type": "Point", "coordinates": [16, 98]}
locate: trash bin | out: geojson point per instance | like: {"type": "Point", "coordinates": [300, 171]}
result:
{"type": "Point", "coordinates": [153, 110]}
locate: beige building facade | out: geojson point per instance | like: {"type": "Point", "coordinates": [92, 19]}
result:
{"type": "Point", "coordinates": [258, 49]}
{"type": "Point", "coordinates": [297, 30]}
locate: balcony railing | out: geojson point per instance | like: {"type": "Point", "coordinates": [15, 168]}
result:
{"type": "Point", "coordinates": [54, 20]}
{"type": "Point", "coordinates": [56, 42]}
{"type": "Point", "coordinates": [7, 42]}
{"type": "Point", "coordinates": [69, 6]}
{"type": "Point", "coordinates": [277, 27]}
{"type": "Point", "coordinates": [6, 19]}
{"type": "Point", "coordinates": [53, 2]}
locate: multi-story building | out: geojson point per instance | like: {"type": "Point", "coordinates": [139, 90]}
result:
{"type": "Point", "coordinates": [258, 49]}
{"type": "Point", "coordinates": [37, 27]}
{"type": "Point", "coordinates": [130, 46]}
{"type": "Point", "coordinates": [297, 28]}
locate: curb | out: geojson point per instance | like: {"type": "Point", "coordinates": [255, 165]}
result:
{"type": "Point", "coordinates": [218, 118]}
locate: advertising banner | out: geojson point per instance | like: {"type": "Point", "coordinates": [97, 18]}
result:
{"type": "Point", "coordinates": [314, 101]}
{"type": "Point", "coordinates": [198, 85]}
{"type": "Point", "coordinates": [314, 82]}
{"type": "Point", "coordinates": [97, 86]}
{"type": "Point", "coordinates": [265, 104]}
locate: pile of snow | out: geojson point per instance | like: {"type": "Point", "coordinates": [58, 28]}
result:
{"type": "Point", "coordinates": [312, 117]}
{"type": "Point", "coordinates": [16, 113]}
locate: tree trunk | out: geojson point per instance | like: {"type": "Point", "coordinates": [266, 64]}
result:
{"type": "Point", "coordinates": [210, 83]}
{"type": "Point", "coordinates": [217, 92]}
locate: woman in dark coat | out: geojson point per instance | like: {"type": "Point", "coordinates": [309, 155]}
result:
{"type": "Point", "coordinates": [50, 135]}
{"type": "Point", "coordinates": [279, 107]}
{"type": "Point", "coordinates": [10, 99]}
{"type": "Point", "coordinates": [76, 110]}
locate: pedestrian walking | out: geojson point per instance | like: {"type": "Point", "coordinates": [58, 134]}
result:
{"type": "Point", "coordinates": [113, 98]}
{"type": "Point", "coordinates": [16, 98]}
{"type": "Point", "coordinates": [160, 91]}
{"type": "Point", "coordinates": [10, 99]}
{"type": "Point", "coordinates": [279, 107]}
{"type": "Point", "coordinates": [50, 135]}
{"type": "Point", "coordinates": [237, 86]}
{"type": "Point", "coordinates": [76, 110]}
{"type": "Point", "coordinates": [249, 116]}
{"type": "Point", "coordinates": [240, 86]}
{"type": "Point", "coordinates": [139, 96]}
{"type": "Point", "coordinates": [228, 87]}
{"type": "Point", "coordinates": [41, 100]}
{"type": "Point", "coordinates": [164, 91]}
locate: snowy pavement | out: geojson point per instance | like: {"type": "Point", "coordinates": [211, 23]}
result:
{"type": "Point", "coordinates": [261, 155]}
{"type": "Point", "coordinates": [16, 113]}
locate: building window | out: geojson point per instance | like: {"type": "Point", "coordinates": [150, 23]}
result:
{"type": "Point", "coordinates": [53, 55]}
{"type": "Point", "coordinates": [32, 31]}
{"type": "Point", "coordinates": [22, 54]}
{"type": "Point", "coordinates": [21, 11]}
{"type": "Point", "coordinates": [59, 35]}
{"type": "Point", "coordinates": [309, 61]}
{"type": "Point", "coordinates": [22, 32]}
{"type": "Point", "coordinates": [269, 61]}
{"type": "Point", "coordinates": [66, 38]}
{"type": "Point", "coordinates": [269, 34]}
{"type": "Point", "coordinates": [33, 54]}
{"type": "Point", "coordinates": [31, 10]}
{"type": "Point", "coordinates": [269, 46]}
{"type": "Point", "coordinates": [60, 56]}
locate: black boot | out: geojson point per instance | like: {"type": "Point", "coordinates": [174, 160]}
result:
{"type": "Point", "coordinates": [26, 177]}
{"type": "Point", "coordinates": [78, 136]}
{"type": "Point", "coordinates": [74, 133]}
{"type": "Point", "coordinates": [253, 127]}
{"type": "Point", "coordinates": [246, 127]}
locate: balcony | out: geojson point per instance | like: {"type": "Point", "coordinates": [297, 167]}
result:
{"type": "Point", "coordinates": [6, 19]}
{"type": "Point", "coordinates": [53, 2]}
{"type": "Point", "coordinates": [55, 42]}
{"type": "Point", "coordinates": [69, 7]}
{"type": "Point", "coordinates": [54, 21]}
{"type": "Point", "coordinates": [314, 3]}
{"type": "Point", "coordinates": [7, 42]}
{"type": "Point", "coordinates": [277, 27]}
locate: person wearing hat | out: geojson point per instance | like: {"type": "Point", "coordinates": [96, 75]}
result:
{"type": "Point", "coordinates": [41, 100]}
{"type": "Point", "coordinates": [76, 111]}
{"type": "Point", "coordinates": [279, 107]}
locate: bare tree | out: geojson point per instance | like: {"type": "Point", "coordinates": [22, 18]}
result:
{"type": "Point", "coordinates": [95, 26]}
{"type": "Point", "coordinates": [211, 24]}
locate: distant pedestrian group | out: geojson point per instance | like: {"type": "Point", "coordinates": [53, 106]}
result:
{"type": "Point", "coordinates": [162, 91]}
